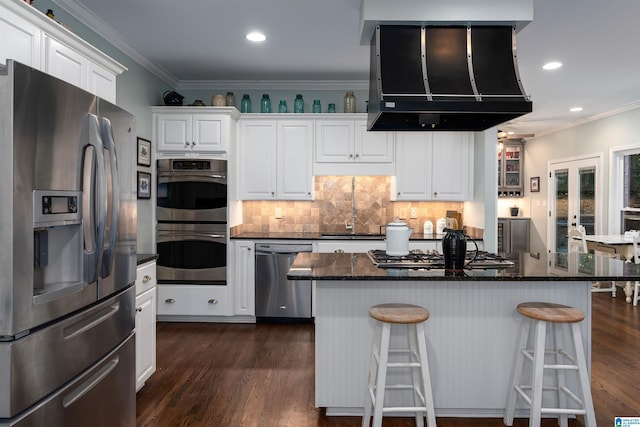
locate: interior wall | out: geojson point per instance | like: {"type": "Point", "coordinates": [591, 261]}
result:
{"type": "Point", "coordinates": [599, 136]}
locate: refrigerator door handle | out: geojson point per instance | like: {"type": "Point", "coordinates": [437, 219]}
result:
{"type": "Point", "coordinates": [94, 197]}
{"type": "Point", "coordinates": [113, 196]}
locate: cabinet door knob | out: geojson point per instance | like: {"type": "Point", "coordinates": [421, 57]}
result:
{"type": "Point", "coordinates": [138, 309]}
{"type": "Point", "coordinates": [146, 278]}
{"type": "Point", "coordinates": [357, 155]}
{"type": "Point", "coordinates": [193, 143]}
{"type": "Point", "coordinates": [351, 156]}
{"type": "Point", "coordinates": [435, 194]}
{"type": "Point", "coordinates": [169, 300]}
{"type": "Point", "coordinates": [213, 301]}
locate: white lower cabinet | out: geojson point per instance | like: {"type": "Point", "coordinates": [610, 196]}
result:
{"type": "Point", "coordinates": [244, 277]}
{"type": "Point", "coordinates": [145, 322]}
{"type": "Point", "coordinates": [193, 300]}
{"type": "Point", "coordinates": [433, 166]}
{"type": "Point", "coordinates": [275, 159]}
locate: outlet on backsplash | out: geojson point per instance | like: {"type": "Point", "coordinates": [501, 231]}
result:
{"type": "Point", "coordinates": [414, 213]}
{"type": "Point", "coordinates": [278, 212]}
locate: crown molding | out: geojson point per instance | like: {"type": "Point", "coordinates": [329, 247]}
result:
{"type": "Point", "coordinates": [274, 84]}
{"type": "Point", "coordinates": [97, 25]}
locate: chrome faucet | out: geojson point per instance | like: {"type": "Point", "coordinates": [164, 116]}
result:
{"type": "Point", "coordinates": [352, 226]}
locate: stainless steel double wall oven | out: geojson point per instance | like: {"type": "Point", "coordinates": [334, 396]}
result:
{"type": "Point", "coordinates": [191, 212]}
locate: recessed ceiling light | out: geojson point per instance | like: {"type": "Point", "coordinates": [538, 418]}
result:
{"type": "Point", "coordinates": [256, 37]}
{"type": "Point", "coordinates": [552, 65]}
{"type": "Point", "coordinates": [575, 109]}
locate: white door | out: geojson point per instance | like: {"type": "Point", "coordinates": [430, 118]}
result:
{"type": "Point", "coordinates": [257, 158]}
{"type": "Point", "coordinates": [574, 199]}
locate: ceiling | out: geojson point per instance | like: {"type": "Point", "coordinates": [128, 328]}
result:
{"type": "Point", "coordinates": [200, 41]}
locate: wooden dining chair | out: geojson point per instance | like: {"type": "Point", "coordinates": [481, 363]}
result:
{"type": "Point", "coordinates": [578, 243]}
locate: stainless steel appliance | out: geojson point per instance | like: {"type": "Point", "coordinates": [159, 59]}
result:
{"type": "Point", "coordinates": [191, 190]}
{"type": "Point", "coordinates": [277, 296]}
{"type": "Point", "coordinates": [192, 253]}
{"type": "Point", "coordinates": [434, 260]}
{"type": "Point", "coordinates": [513, 234]}
{"type": "Point", "coordinates": [68, 263]}
{"type": "Point", "coordinates": [191, 210]}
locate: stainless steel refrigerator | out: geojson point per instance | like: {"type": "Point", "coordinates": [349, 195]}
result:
{"type": "Point", "coordinates": [67, 254]}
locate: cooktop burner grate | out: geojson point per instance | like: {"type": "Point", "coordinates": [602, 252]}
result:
{"type": "Point", "coordinates": [431, 259]}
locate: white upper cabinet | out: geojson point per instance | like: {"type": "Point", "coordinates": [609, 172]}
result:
{"type": "Point", "coordinates": [193, 130]}
{"type": "Point", "coordinates": [344, 147]}
{"type": "Point", "coordinates": [20, 39]}
{"type": "Point", "coordinates": [433, 166]}
{"type": "Point", "coordinates": [33, 39]}
{"type": "Point", "coordinates": [275, 159]}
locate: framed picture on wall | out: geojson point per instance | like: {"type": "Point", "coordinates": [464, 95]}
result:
{"type": "Point", "coordinates": [144, 152]}
{"type": "Point", "coordinates": [534, 186]}
{"type": "Point", "coordinates": [144, 185]}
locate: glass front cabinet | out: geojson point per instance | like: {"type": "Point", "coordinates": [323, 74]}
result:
{"type": "Point", "coordinates": [510, 173]}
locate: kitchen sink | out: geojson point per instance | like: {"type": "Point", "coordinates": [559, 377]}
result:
{"type": "Point", "coordinates": [354, 236]}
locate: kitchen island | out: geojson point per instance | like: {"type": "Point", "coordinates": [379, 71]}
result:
{"type": "Point", "coordinates": [472, 330]}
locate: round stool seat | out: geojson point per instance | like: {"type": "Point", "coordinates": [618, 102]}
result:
{"type": "Point", "coordinates": [399, 313]}
{"type": "Point", "coordinates": [550, 312]}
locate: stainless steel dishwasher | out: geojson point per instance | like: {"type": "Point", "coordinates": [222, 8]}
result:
{"type": "Point", "coordinates": [277, 296]}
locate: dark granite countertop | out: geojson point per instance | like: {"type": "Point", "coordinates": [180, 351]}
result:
{"type": "Point", "coordinates": [142, 258]}
{"type": "Point", "coordinates": [250, 235]}
{"type": "Point", "coordinates": [528, 267]}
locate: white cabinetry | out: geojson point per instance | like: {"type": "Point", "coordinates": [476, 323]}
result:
{"type": "Point", "coordinates": [345, 147]}
{"type": "Point", "coordinates": [194, 130]}
{"type": "Point", "coordinates": [433, 166]}
{"type": "Point", "coordinates": [192, 300]}
{"type": "Point", "coordinates": [244, 277]}
{"type": "Point", "coordinates": [21, 39]}
{"type": "Point", "coordinates": [275, 159]}
{"type": "Point", "coordinates": [33, 39]}
{"type": "Point", "coordinates": [145, 322]}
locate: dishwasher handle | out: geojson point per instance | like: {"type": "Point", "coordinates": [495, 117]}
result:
{"type": "Point", "coordinates": [267, 249]}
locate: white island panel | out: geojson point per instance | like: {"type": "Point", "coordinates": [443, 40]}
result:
{"type": "Point", "coordinates": [471, 338]}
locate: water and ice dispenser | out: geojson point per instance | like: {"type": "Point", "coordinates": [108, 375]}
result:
{"type": "Point", "coordinates": [57, 244]}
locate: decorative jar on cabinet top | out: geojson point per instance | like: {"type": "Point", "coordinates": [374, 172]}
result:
{"type": "Point", "coordinates": [298, 104]}
{"type": "Point", "coordinates": [245, 104]}
{"type": "Point", "coordinates": [230, 99]}
{"type": "Point", "coordinates": [349, 102]}
{"type": "Point", "coordinates": [265, 104]}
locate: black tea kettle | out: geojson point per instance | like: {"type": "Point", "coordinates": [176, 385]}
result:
{"type": "Point", "coordinates": [454, 248]}
{"type": "Point", "coordinates": [172, 98]}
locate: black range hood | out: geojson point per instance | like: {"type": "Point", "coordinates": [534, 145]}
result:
{"type": "Point", "coordinates": [444, 78]}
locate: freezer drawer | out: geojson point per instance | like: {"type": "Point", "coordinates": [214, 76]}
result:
{"type": "Point", "coordinates": [41, 362]}
{"type": "Point", "coordinates": [103, 396]}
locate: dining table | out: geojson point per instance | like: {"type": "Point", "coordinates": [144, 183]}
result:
{"type": "Point", "coordinates": [617, 244]}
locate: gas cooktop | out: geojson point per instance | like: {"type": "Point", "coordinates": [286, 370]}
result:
{"type": "Point", "coordinates": [418, 259]}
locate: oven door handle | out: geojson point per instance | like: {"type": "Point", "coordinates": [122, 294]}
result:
{"type": "Point", "coordinates": [181, 234]}
{"type": "Point", "coordinates": [164, 177]}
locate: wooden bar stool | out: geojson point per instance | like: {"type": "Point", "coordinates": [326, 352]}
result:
{"type": "Point", "coordinates": [544, 314]}
{"type": "Point", "coordinates": [413, 317]}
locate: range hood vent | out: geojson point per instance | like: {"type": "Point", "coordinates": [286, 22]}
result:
{"type": "Point", "coordinates": [444, 78]}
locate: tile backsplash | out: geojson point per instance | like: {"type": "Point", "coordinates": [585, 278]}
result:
{"type": "Point", "coordinates": [331, 209]}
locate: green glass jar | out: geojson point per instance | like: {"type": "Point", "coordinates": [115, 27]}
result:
{"type": "Point", "coordinates": [282, 107]}
{"type": "Point", "coordinates": [298, 104]}
{"type": "Point", "coordinates": [332, 108]}
{"type": "Point", "coordinates": [245, 104]}
{"type": "Point", "coordinates": [265, 104]}
{"type": "Point", "coordinates": [316, 106]}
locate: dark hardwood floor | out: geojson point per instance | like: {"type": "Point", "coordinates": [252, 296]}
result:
{"type": "Point", "coordinates": [227, 375]}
